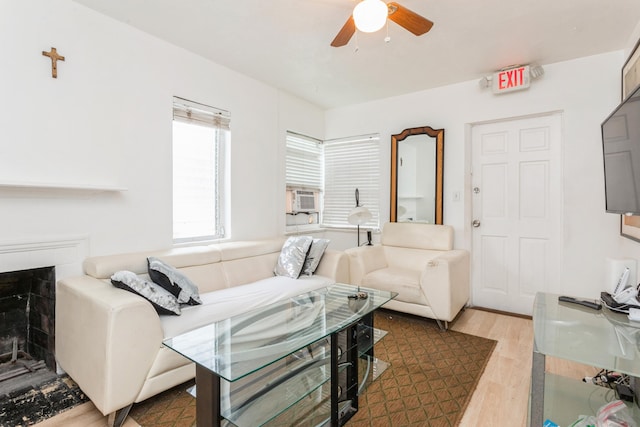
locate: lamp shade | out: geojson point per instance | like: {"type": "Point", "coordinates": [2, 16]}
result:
{"type": "Point", "coordinates": [359, 215]}
{"type": "Point", "coordinates": [370, 15]}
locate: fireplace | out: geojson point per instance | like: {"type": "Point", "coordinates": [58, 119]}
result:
{"type": "Point", "coordinates": [27, 314]}
{"type": "Point", "coordinates": [27, 322]}
{"type": "Point", "coordinates": [29, 269]}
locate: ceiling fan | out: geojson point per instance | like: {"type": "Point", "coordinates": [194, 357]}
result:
{"type": "Point", "coordinates": [402, 16]}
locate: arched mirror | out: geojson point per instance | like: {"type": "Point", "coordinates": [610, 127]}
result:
{"type": "Point", "coordinates": [417, 157]}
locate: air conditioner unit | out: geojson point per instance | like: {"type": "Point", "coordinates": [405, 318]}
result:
{"type": "Point", "coordinates": [304, 201]}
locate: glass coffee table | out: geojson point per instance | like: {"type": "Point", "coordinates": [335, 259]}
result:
{"type": "Point", "coordinates": [294, 360]}
{"type": "Point", "coordinates": [601, 338]}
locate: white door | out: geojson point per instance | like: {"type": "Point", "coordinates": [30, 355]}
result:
{"type": "Point", "coordinates": [516, 194]}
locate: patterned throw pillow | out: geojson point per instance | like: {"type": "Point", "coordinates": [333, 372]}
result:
{"type": "Point", "coordinates": [292, 256]}
{"type": "Point", "coordinates": [162, 301]}
{"type": "Point", "coordinates": [173, 281]}
{"type": "Point", "coordinates": [314, 256]}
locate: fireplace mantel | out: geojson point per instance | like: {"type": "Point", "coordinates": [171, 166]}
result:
{"type": "Point", "coordinates": [27, 186]}
{"type": "Point", "coordinates": [66, 253]}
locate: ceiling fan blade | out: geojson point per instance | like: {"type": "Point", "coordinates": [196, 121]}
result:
{"type": "Point", "coordinates": [345, 34]}
{"type": "Point", "coordinates": [408, 19]}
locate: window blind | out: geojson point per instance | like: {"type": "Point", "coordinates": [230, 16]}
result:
{"type": "Point", "coordinates": [303, 162]}
{"type": "Point", "coordinates": [351, 163]}
{"type": "Point", "coordinates": [200, 114]}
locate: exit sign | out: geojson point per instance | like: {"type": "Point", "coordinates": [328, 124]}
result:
{"type": "Point", "coordinates": [511, 79]}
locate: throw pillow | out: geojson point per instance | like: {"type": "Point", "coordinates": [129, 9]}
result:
{"type": "Point", "coordinates": [162, 301]}
{"type": "Point", "coordinates": [292, 256]}
{"type": "Point", "coordinates": [173, 281]}
{"type": "Point", "coordinates": [314, 256]}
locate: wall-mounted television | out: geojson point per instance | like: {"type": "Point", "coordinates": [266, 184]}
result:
{"type": "Point", "coordinates": [621, 150]}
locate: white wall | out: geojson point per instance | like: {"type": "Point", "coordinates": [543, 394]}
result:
{"type": "Point", "coordinates": [584, 90]}
{"type": "Point", "coordinates": [106, 120]}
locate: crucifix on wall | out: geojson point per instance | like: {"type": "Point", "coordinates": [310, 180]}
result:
{"type": "Point", "coordinates": [53, 54]}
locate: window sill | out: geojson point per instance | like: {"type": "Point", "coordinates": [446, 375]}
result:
{"type": "Point", "coordinates": [292, 230]}
{"type": "Point", "coordinates": [350, 229]}
{"type": "Point", "coordinates": [200, 242]}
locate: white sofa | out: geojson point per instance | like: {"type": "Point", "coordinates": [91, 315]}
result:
{"type": "Point", "coordinates": [110, 341]}
{"type": "Point", "coordinates": [417, 261]}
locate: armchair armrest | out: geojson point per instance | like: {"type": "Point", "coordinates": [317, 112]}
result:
{"type": "Point", "coordinates": [106, 340]}
{"type": "Point", "coordinates": [363, 260]}
{"type": "Point", "coordinates": [445, 282]}
{"type": "Point", "coordinates": [334, 264]}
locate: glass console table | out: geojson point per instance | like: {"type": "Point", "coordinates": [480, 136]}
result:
{"type": "Point", "coordinates": [600, 338]}
{"type": "Point", "coordinates": [295, 358]}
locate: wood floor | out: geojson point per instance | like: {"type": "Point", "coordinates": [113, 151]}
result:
{"type": "Point", "coordinates": [501, 398]}
{"type": "Point", "coordinates": [502, 395]}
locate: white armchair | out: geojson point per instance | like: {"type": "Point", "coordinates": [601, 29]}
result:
{"type": "Point", "coordinates": [417, 261]}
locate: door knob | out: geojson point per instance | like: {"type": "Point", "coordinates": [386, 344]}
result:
{"type": "Point", "coordinates": [476, 223]}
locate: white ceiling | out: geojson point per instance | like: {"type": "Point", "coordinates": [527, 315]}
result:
{"type": "Point", "coordinates": [285, 43]}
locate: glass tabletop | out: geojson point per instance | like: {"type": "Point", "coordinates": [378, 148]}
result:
{"type": "Point", "coordinates": [236, 347]}
{"type": "Point", "coordinates": [601, 338]}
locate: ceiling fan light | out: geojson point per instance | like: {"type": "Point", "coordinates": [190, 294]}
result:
{"type": "Point", "coordinates": [370, 15]}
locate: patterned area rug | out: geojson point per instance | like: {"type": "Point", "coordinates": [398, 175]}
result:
{"type": "Point", "coordinates": [432, 376]}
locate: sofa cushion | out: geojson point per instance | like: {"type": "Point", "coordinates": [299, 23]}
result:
{"type": "Point", "coordinates": [411, 259]}
{"type": "Point", "coordinates": [173, 281]}
{"type": "Point", "coordinates": [417, 236]}
{"type": "Point", "coordinates": [248, 249]}
{"type": "Point", "coordinates": [225, 303]}
{"type": "Point", "coordinates": [102, 267]}
{"type": "Point", "coordinates": [402, 280]}
{"type": "Point", "coordinates": [162, 300]}
{"type": "Point", "coordinates": [292, 256]}
{"type": "Point", "coordinates": [318, 246]}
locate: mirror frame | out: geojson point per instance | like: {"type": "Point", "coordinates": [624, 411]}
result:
{"type": "Point", "coordinates": [438, 134]}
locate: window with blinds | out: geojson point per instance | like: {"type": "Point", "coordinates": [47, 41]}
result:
{"type": "Point", "coordinates": [351, 163]}
{"type": "Point", "coordinates": [303, 162]}
{"type": "Point", "coordinates": [200, 136]}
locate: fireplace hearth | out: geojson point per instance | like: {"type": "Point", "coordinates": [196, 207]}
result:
{"type": "Point", "coordinates": [27, 326]}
